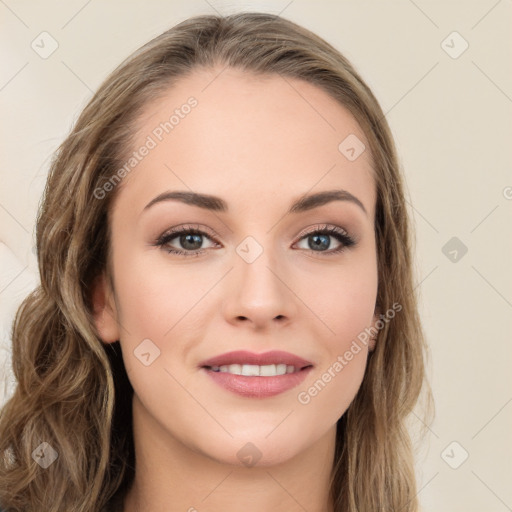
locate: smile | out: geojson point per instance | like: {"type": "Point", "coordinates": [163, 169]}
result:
{"type": "Point", "coordinates": [253, 370]}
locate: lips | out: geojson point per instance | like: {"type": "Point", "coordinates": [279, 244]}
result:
{"type": "Point", "coordinates": [250, 358]}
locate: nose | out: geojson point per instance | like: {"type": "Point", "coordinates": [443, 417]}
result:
{"type": "Point", "coordinates": [259, 294]}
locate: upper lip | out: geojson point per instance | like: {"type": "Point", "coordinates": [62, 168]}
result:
{"type": "Point", "coordinates": [266, 358]}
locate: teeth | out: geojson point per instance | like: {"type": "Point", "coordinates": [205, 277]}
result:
{"type": "Point", "coordinates": [253, 370]}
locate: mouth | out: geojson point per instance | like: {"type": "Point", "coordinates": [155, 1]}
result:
{"type": "Point", "coordinates": [253, 370]}
{"type": "Point", "coordinates": [253, 375]}
{"type": "Point", "coordinates": [252, 364]}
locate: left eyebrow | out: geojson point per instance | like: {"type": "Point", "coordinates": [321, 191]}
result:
{"type": "Point", "coordinates": [216, 204]}
{"type": "Point", "coordinates": [308, 202]}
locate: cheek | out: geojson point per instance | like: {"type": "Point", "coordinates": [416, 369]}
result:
{"type": "Point", "coordinates": [156, 302]}
{"type": "Point", "coordinates": [343, 297]}
{"type": "Point", "coordinates": [334, 386]}
{"type": "Point", "coordinates": [154, 295]}
{"type": "Point", "coordinates": [163, 304]}
{"type": "Point", "coordinates": [348, 313]}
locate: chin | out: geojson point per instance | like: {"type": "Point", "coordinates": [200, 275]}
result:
{"type": "Point", "coordinates": [255, 451]}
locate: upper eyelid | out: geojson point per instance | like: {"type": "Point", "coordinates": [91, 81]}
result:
{"type": "Point", "coordinates": [174, 232]}
{"type": "Point", "coordinates": [321, 227]}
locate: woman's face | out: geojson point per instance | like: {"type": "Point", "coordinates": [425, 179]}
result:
{"type": "Point", "coordinates": [258, 277]}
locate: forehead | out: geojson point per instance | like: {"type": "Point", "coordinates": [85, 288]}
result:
{"type": "Point", "coordinates": [229, 132]}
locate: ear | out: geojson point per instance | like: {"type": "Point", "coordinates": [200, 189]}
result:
{"type": "Point", "coordinates": [104, 309]}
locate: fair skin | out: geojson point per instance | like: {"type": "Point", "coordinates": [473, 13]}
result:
{"type": "Point", "coordinates": [259, 144]}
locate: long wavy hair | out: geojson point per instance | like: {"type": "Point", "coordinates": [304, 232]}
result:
{"type": "Point", "coordinates": [72, 389]}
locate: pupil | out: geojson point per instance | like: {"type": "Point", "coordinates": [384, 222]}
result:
{"type": "Point", "coordinates": [324, 243]}
{"type": "Point", "coordinates": [186, 239]}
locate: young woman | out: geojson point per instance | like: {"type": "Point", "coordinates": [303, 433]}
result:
{"type": "Point", "coordinates": [226, 318]}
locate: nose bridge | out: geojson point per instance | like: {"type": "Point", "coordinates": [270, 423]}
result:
{"type": "Point", "coordinates": [259, 293]}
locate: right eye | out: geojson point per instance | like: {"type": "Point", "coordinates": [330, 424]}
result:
{"type": "Point", "coordinates": [188, 237]}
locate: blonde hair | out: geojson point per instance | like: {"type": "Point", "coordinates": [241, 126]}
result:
{"type": "Point", "coordinates": [72, 390]}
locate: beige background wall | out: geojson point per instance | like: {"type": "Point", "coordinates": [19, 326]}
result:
{"type": "Point", "coordinates": [450, 111]}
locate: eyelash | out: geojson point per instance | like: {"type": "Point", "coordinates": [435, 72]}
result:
{"type": "Point", "coordinates": [338, 233]}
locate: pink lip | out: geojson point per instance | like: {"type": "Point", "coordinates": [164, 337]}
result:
{"type": "Point", "coordinates": [245, 357]}
{"type": "Point", "coordinates": [258, 387]}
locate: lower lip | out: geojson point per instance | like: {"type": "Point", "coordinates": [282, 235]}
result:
{"type": "Point", "coordinates": [258, 387]}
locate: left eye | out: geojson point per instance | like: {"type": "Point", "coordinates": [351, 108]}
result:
{"type": "Point", "coordinates": [319, 239]}
{"type": "Point", "coordinates": [191, 240]}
